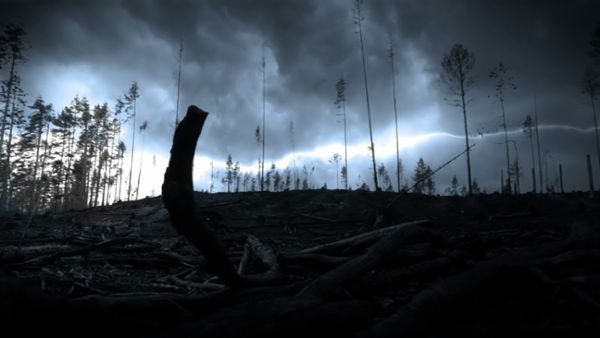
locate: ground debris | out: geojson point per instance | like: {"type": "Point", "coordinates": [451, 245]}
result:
{"type": "Point", "coordinates": [469, 272]}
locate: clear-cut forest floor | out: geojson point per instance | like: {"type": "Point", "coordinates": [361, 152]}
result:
{"type": "Point", "coordinates": [487, 266]}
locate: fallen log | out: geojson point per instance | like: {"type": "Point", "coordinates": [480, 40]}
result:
{"type": "Point", "coordinates": [427, 307]}
{"type": "Point", "coordinates": [332, 283]}
{"type": "Point", "coordinates": [69, 252]}
{"type": "Point", "coordinates": [363, 239]}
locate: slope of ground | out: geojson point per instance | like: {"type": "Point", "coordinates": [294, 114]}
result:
{"type": "Point", "coordinates": [494, 266]}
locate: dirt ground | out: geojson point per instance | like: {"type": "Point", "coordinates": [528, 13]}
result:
{"type": "Point", "coordinates": [123, 268]}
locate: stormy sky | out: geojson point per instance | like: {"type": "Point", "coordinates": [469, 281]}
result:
{"type": "Point", "coordinates": [96, 48]}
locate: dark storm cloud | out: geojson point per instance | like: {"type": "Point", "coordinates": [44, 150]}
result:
{"type": "Point", "coordinates": [308, 45]}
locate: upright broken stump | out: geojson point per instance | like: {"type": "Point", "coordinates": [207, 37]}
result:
{"type": "Point", "coordinates": [178, 198]}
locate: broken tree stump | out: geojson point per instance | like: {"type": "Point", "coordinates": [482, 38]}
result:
{"type": "Point", "coordinates": [178, 198]}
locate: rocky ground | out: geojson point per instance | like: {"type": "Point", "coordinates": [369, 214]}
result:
{"type": "Point", "coordinates": [482, 266]}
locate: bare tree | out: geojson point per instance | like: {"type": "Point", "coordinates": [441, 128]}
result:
{"type": "Point", "coordinates": [499, 73]}
{"type": "Point", "coordinates": [178, 82]}
{"type": "Point", "coordinates": [212, 177]}
{"type": "Point", "coordinates": [292, 140]}
{"type": "Point", "coordinates": [391, 58]}
{"type": "Point", "coordinates": [591, 82]}
{"type": "Point", "coordinates": [358, 19]}
{"type": "Point", "coordinates": [143, 127]}
{"type": "Point", "coordinates": [456, 65]}
{"type": "Point", "coordinates": [335, 159]}
{"type": "Point", "coordinates": [340, 101]}
{"type": "Point", "coordinates": [537, 138]}
{"type": "Point", "coordinates": [528, 125]}
{"type": "Point", "coordinates": [130, 101]}
{"type": "Point", "coordinates": [121, 148]}
{"type": "Point", "coordinates": [229, 169]}
{"type": "Point", "coordinates": [262, 169]}
{"type": "Point", "coordinates": [260, 161]}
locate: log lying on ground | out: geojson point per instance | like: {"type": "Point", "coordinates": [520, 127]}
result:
{"type": "Point", "coordinates": [363, 239]}
{"type": "Point", "coordinates": [332, 282]}
{"type": "Point", "coordinates": [178, 198]}
{"type": "Point", "coordinates": [427, 308]}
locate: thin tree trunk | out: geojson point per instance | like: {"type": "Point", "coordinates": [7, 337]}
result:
{"type": "Point", "coordinates": [3, 196]}
{"type": "Point", "coordinates": [45, 156]}
{"type": "Point", "coordinates": [137, 191]}
{"type": "Point", "coordinates": [7, 165]}
{"type": "Point", "coordinates": [506, 145]}
{"type": "Point", "coordinates": [560, 175]}
{"type": "Point", "coordinates": [108, 173]}
{"type": "Point", "coordinates": [132, 152]}
{"type": "Point", "coordinates": [362, 50]}
{"type": "Point", "coordinates": [395, 118]}
{"type": "Point", "coordinates": [590, 174]}
{"type": "Point", "coordinates": [595, 127]}
{"type": "Point", "coordinates": [98, 176]}
{"type": "Point", "coordinates": [537, 136]}
{"type": "Point", "coordinates": [345, 147]}
{"type": "Point", "coordinates": [33, 197]}
{"type": "Point", "coordinates": [67, 197]}
{"type": "Point", "coordinates": [118, 196]}
{"type": "Point", "coordinates": [262, 168]}
{"type": "Point", "coordinates": [467, 146]}
{"type": "Point", "coordinates": [59, 201]}
{"type": "Point", "coordinates": [532, 162]}
{"type": "Point", "coordinates": [178, 83]}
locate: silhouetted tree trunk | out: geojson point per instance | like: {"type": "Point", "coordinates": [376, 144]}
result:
{"type": "Point", "coordinates": [457, 64]}
{"type": "Point", "coordinates": [340, 101]}
{"type": "Point", "coordinates": [178, 197]}
{"type": "Point", "coordinates": [131, 99]}
{"type": "Point", "coordinates": [358, 19]}
{"type": "Point", "coordinates": [137, 190]}
{"type": "Point", "coordinates": [528, 130]}
{"type": "Point", "coordinates": [537, 138]}
{"type": "Point", "coordinates": [591, 85]}
{"type": "Point", "coordinates": [398, 171]}
{"type": "Point", "coordinates": [499, 73]}
{"type": "Point", "coordinates": [262, 169]}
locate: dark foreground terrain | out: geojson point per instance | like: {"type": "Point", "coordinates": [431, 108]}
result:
{"type": "Point", "coordinates": [483, 266]}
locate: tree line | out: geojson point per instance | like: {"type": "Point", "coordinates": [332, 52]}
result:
{"type": "Point", "coordinates": [233, 180]}
{"type": "Point", "coordinates": [56, 160]}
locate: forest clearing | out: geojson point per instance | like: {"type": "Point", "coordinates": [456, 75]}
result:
{"type": "Point", "coordinates": [369, 169]}
{"type": "Point", "coordinates": [317, 262]}
{"type": "Point", "coordinates": [100, 270]}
